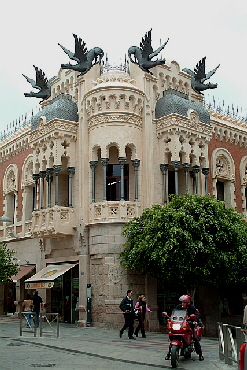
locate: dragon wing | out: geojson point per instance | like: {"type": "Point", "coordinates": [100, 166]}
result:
{"type": "Point", "coordinates": [199, 70]}
{"type": "Point", "coordinates": [209, 74]}
{"type": "Point", "coordinates": [189, 71]}
{"type": "Point", "coordinates": [69, 53]}
{"type": "Point", "coordinates": [41, 80]}
{"type": "Point", "coordinates": [80, 49]}
{"type": "Point", "coordinates": [145, 45]}
{"type": "Point", "coordinates": [32, 82]}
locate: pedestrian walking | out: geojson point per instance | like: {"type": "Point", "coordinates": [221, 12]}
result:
{"type": "Point", "coordinates": [141, 305]}
{"type": "Point", "coordinates": [127, 306]}
{"type": "Point", "coordinates": [27, 308]}
{"type": "Point", "coordinates": [37, 300]}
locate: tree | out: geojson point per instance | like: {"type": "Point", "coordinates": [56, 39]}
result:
{"type": "Point", "coordinates": [8, 265]}
{"type": "Point", "coordinates": [193, 240]}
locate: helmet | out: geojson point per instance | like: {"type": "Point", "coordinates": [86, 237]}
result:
{"type": "Point", "coordinates": [185, 298]}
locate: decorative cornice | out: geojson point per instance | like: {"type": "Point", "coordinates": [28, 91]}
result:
{"type": "Point", "coordinates": [108, 118]}
{"type": "Point", "coordinates": [177, 121]}
{"type": "Point", "coordinates": [56, 124]}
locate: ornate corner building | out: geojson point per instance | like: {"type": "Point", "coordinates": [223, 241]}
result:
{"type": "Point", "coordinates": [104, 146]}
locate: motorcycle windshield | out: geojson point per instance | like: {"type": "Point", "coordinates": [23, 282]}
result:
{"type": "Point", "coordinates": [178, 315]}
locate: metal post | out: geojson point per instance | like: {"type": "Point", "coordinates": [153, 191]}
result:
{"type": "Point", "coordinates": [195, 170]}
{"type": "Point", "coordinates": [164, 168]}
{"type": "Point", "coordinates": [49, 172]}
{"type": "Point", "coordinates": [176, 165]}
{"type": "Point", "coordinates": [42, 175]}
{"type": "Point", "coordinates": [93, 165]}
{"type": "Point", "coordinates": [35, 178]}
{"type": "Point", "coordinates": [136, 164]}
{"type": "Point", "coordinates": [71, 171]}
{"type": "Point", "coordinates": [104, 162]}
{"type": "Point", "coordinates": [57, 169]}
{"type": "Point", "coordinates": [122, 161]}
{"type": "Point", "coordinates": [186, 167]}
{"type": "Point", "coordinates": [205, 172]}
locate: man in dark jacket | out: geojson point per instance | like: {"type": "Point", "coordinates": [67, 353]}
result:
{"type": "Point", "coordinates": [37, 300]}
{"type": "Point", "coordinates": [127, 306]}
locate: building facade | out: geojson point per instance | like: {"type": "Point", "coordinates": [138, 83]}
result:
{"type": "Point", "coordinates": [102, 148]}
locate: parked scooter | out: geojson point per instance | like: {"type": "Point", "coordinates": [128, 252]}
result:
{"type": "Point", "coordinates": [181, 335]}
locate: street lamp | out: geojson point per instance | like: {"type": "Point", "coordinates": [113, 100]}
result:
{"type": "Point", "coordinates": [5, 219]}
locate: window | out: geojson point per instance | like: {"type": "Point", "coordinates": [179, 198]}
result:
{"type": "Point", "coordinates": [113, 182]}
{"type": "Point", "coordinates": [220, 190]}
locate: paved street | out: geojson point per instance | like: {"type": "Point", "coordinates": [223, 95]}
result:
{"type": "Point", "coordinates": [93, 348]}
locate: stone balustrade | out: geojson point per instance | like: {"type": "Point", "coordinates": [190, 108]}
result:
{"type": "Point", "coordinates": [53, 222]}
{"type": "Point", "coordinates": [114, 211]}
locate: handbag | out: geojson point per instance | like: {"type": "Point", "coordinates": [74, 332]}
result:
{"type": "Point", "coordinates": [137, 313]}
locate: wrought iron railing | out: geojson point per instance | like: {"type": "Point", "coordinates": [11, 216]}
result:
{"type": "Point", "coordinates": [230, 340]}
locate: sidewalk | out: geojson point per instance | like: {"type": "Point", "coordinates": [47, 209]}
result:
{"type": "Point", "coordinates": [94, 348]}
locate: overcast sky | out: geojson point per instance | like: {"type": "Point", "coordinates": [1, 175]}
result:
{"type": "Point", "coordinates": [30, 32]}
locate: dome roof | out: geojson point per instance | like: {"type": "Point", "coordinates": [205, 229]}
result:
{"type": "Point", "coordinates": [176, 102]}
{"type": "Point", "coordinates": [62, 106]}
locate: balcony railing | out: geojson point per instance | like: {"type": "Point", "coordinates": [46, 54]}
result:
{"type": "Point", "coordinates": [114, 211]}
{"type": "Point", "coordinates": [53, 222]}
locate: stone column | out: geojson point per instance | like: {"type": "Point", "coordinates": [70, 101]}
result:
{"type": "Point", "coordinates": [136, 164]}
{"type": "Point", "coordinates": [186, 167]}
{"type": "Point", "coordinates": [49, 172]}
{"type": "Point", "coordinates": [57, 169]}
{"type": "Point", "coordinates": [164, 168]}
{"type": "Point", "coordinates": [71, 171]}
{"type": "Point", "coordinates": [36, 179]}
{"type": "Point", "coordinates": [122, 161]}
{"type": "Point", "coordinates": [195, 170]}
{"type": "Point", "coordinates": [104, 162]}
{"type": "Point", "coordinates": [176, 165]}
{"type": "Point", "coordinates": [93, 165]}
{"type": "Point", "coordinates": [205, 172]}
{"type": "Point", "coordinates": [42, 190]}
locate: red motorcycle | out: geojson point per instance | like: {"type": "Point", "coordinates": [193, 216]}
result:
{"type": "Point", "coordinates": [181, 335]}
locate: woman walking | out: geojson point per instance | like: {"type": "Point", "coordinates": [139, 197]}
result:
{"type": "Point", "coordinates": [27, 308]}
{"type": "Point", "coordinates": [141, 305]}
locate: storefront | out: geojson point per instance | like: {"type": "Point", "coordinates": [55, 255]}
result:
{"type": "Point", "coordinates": [61, 282]}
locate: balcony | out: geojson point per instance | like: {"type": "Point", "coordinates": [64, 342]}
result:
{"type": "Point", "coordinates": [53, 222]}
{"type": "Point", "coordinates": [114, 211]}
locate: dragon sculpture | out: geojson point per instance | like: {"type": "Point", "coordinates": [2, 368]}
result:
{"type": "Point", "coordinates": [144, 54]}
{"type": "Point", "coordinates": [199, 77]}
{"type": "Point", "coordinates": [83, 57]}
{"type": "Point", "coordinates": [41, 83]}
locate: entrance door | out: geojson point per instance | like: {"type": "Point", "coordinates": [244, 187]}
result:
{"type": "Point", "coordinates": [65, 295]}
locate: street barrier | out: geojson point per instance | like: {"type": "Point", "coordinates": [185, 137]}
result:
{"type": "Point", "coordinates": [28, 323]}
{"type": "Point", "coordinates": [231, 339]}
{"type": "Point", "coordinates": [47, 320]}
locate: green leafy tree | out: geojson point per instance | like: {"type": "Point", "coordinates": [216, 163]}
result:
{"type": "Point", "coordinates": [8, 265]}
{"type": "Point", "coordinates": [192, 240]}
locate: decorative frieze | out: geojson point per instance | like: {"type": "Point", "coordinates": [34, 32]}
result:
{"type": "Point", "coordinates": [101, 119]}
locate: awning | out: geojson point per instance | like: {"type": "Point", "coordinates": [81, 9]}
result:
{"type": "Point", "coordinates": [45, 277]}
{"type": "Point", "coordinates": [24, 270]}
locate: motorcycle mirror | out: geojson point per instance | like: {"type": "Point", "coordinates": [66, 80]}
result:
{"type": "Point", "coordinates": [165, 314]}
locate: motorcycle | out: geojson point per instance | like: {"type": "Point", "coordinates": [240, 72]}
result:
{"type": "Point", "coordinates": [181, 335]}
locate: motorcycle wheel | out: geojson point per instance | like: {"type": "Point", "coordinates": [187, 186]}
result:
{"type": "Point", "coordinates": [175, 356]}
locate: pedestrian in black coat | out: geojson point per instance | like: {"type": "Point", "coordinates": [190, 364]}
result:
{"type": "Point", "coordinates": [127, 306]}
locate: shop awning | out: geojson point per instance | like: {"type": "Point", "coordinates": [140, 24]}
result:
{"type": "Point", "coordinates": [45, 277]}
{"type": "Point", "coordinates": [24, 270]}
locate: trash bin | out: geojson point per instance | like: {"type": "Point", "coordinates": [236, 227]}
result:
{"type": "Point", "coordinates": [243, 356]}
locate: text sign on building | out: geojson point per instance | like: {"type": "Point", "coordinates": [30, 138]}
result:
{"type": "Point", "coordinates": [39, 284]}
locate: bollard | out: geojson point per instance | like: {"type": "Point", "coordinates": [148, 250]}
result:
{"type": "Point", "coordinates": [243, 357]}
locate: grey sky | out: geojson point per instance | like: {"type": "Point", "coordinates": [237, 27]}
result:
{"type": "Point", "coordinates": [30, 32]}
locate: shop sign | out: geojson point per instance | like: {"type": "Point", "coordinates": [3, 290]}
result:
{"type": "Point", "coordinates": [39, 284]}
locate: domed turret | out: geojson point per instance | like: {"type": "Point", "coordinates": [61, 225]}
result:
{"type": "Point", "coordinates": [176, 102]}
{"type": "Point", "coordinates": [62, 106]}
